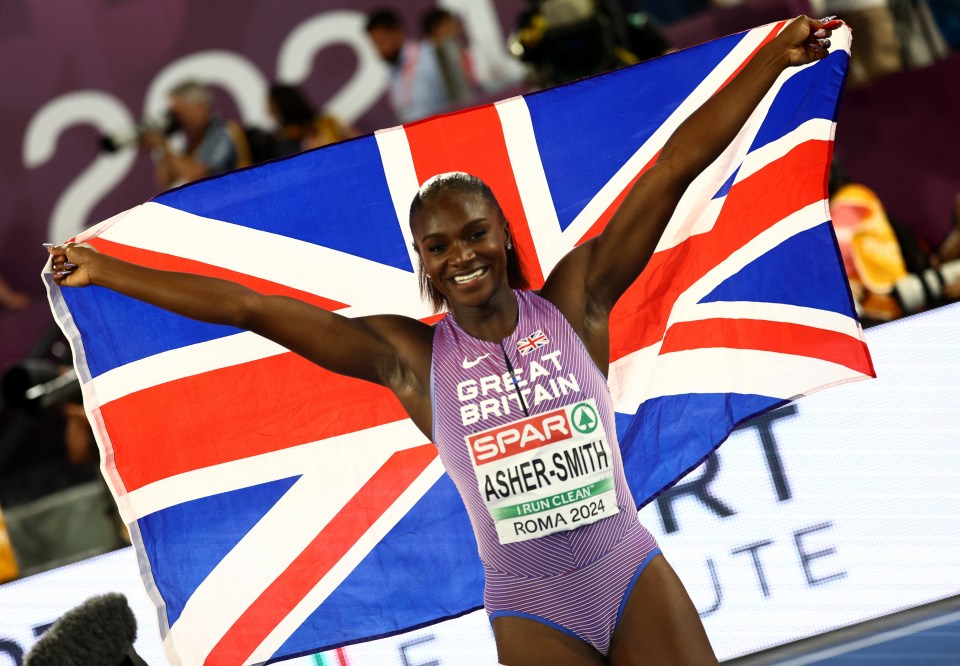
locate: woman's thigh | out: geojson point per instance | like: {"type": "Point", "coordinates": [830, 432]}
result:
{"type": "Point", "coordinates": [660, 625]}
{"type": "Point", "coordinates": [525, 642]}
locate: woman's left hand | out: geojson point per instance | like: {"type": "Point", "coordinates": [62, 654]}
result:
{"type": "Point", "coordinates": [806, 40]}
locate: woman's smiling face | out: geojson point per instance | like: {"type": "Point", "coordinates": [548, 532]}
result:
{"type": "Point", "coordinates": [462, 240]}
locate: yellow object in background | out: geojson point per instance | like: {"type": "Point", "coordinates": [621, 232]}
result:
{"type": "Point", "coordinates": [8, 561]}
{"type": "Point", "coordinates": [873, 247]}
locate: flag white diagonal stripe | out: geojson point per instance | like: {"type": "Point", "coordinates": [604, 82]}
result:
{"type": "Point", "coordinates": [413, 494]}
{"type": "Point", "coordinates": [532, 183]}
{"type": "Point", "coordinates": [627, 391]}
{"type": "Point", "coordinates": [182, 362]}
{"type": "Point", "coordinates": [281, 259]}
{"type": "Point", "coordinates": [333, 453]}
{"type": "Point", "coordinates": [816, 129]}
{"type": "Point", "coordinates": [632, 375]}
{"type": "Point", "coordinates": [691, 217]}
{"type": "Point", "coordinates": [223, 596]}
{"type": "Point", "coordinates": [710, 84]}
{"type": "Point", "coordinates": [402, 179]}
{"type": "Point", "coordinates": [804, 219]}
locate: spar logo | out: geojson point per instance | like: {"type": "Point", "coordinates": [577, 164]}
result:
{"type": "Point", "coordinates": [584, 418]}
{"type": "Point", "coordinates": [519, 436]}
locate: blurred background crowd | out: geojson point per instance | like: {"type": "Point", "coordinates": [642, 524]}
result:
{"type": "Point", "coordinates": [894, 188]}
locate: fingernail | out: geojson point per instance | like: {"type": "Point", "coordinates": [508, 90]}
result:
{"type": "Point", "coordinates": [49, 244]}
{"type": "Point", "coordinates": [820, 33]}
{"type": "Point", "coordinates": [70, 266]}
{"type": "Point", "coordinates": [62, 273]}
{"type": "Point", "coordinates": [826, 19]}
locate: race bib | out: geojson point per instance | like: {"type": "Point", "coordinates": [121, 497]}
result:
{"type": "Point", "coordinates": [546, 473]}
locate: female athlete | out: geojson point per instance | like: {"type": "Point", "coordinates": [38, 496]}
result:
{"type": "Point", "coordinates": [512, 389]}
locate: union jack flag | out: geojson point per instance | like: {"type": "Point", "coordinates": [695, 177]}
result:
{"type": "Point", "coordinates": [278, 509]}
{"type": "Point", "coordinates": [531, 342]}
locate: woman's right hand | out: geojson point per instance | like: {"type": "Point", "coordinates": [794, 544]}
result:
{"type": "Point", "coordinates": [73, 263]}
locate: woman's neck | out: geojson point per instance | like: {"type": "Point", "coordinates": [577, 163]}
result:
{"type": "Point", "coordinates": [493, 321]}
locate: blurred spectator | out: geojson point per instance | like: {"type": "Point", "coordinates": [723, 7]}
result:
{"type": "Point", "coordinates": [565, 40]}
{"type": "Point", "coordinates": [426, 77]}
{"type": "Point", "coordinates": [445, 32]}
{"type": "Point", "coordinates": [57, 504]}
{"type": "Point", "coordinates": [877, 52]}
{"type": "Point", "coordinates": [668, 11]}
{"type": "Point", "coordinates": [947, 15]}
{"type": "Point", "coordinates": [299, 125]}
{"type": "Point", "coordinates": [889, 35]}
{"type": "Point", "coordinates": [36, 458]}
{"type": "Point", "coordinates": [921, 41]}
{"type": "Point", "coordinates": [11, 299]}
{"type": "Point", "coordinates": [212, 144]}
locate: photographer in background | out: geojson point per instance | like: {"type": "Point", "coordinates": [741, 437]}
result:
{"type": "Point", "coordinates": [45, 440]}
{"type": "Point", "coordinates": [212, 144]}
{"type": "Point", "coordinates": [300, 126]}
{"type": "Point", "coordinates": [427, 76]}
{"type": "Point", "coordinates": [56, 503]}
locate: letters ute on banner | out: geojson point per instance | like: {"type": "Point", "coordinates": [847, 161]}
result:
{"type": "Point", "coordinates": [273, 499]}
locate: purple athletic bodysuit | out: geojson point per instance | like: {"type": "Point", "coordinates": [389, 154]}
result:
{"type": "Point", "coordinates": [525, 427]}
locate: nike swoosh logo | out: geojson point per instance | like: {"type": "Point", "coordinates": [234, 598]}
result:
{"type": "Point", "coordinates": [469, 364]}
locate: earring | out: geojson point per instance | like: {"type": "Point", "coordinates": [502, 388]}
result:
{"type": "Point", "coordinates": [509, 244]}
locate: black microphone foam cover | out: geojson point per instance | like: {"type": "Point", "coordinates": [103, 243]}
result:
{"type": "Point", "coordinates": [101, 630]}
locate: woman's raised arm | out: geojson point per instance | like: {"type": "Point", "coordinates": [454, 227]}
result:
{"type": "Point", "coordinates": [587, 283]}
{"type": "Point", "coordinates": [389, 350]}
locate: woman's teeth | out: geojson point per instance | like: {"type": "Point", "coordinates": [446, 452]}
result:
{"type": "Point", "coordinates": [463, 279]}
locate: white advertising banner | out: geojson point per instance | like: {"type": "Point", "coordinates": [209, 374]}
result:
{"type": "Point", "coordinates": [837, 509]}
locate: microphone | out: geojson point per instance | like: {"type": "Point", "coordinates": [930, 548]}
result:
{"type": "Point", "coordinates": [100, 631]}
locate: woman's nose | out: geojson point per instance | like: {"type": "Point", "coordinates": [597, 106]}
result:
{"type": "Point", "coordinates": [463, 253]}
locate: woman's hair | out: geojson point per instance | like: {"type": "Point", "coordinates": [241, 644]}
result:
{"type": "Point", "coordinates": [464, 184]}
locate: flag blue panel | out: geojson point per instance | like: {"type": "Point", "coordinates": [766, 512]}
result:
{"type": "Point", "coordinates": [725, 188]}
{"type": "Point", "coordinates": [652, 454]}
{"type": "Point", "coordinates": [186, 542]}
{"type": "Point", "coordinates": [319, 198]}
{"type": "Point", "coordinates": [570, 122]}
{"type": "Point", "coordinates": [773, 278]}
{"type": "Point", "coordinates": [804, 97]}
{"type": "Point", "coordinates": [114, 327]}
{"type": "Point", "coordinates": [433, 552]}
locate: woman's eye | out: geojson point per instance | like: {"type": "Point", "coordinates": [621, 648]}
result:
{"type": "Point", "coordinates": [478, 234]}
{"type": "Point", "coordinates": [436, 249]}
